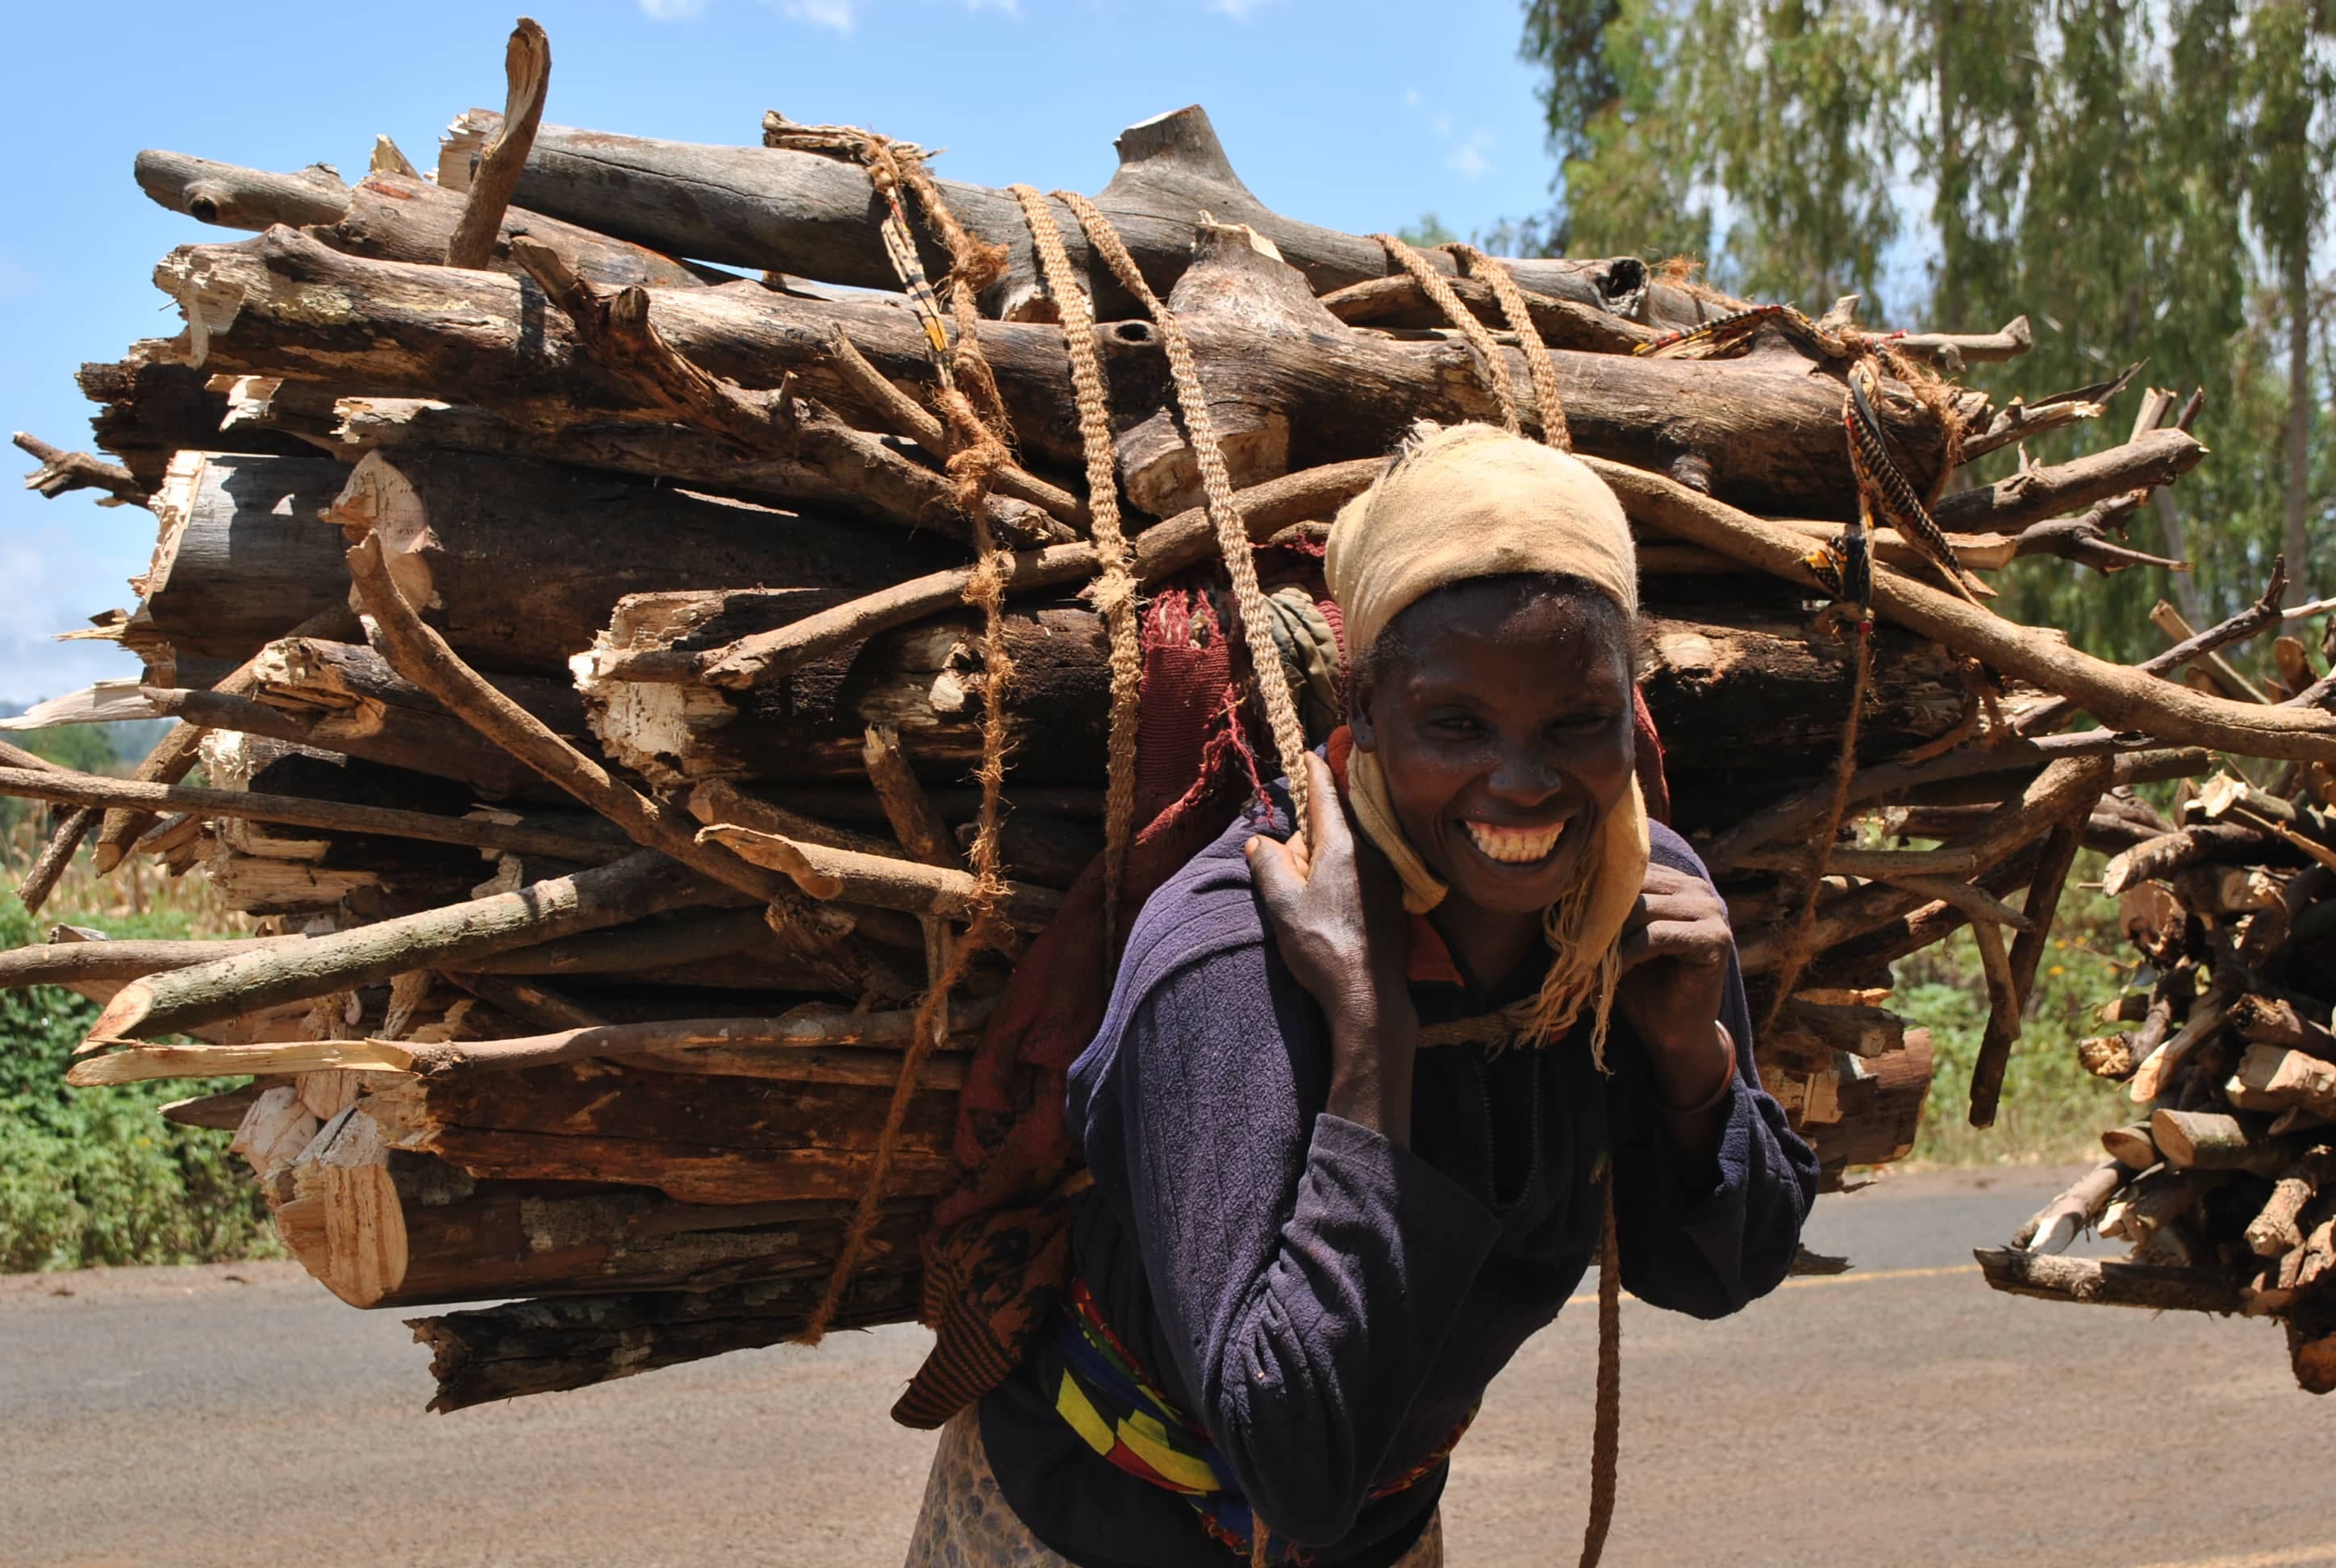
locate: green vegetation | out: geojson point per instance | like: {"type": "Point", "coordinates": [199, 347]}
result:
{"type": "Point", "coordinates": [2145, 182]}
{"type": "Point", "coordinates": [2053, 1110]}
{"type": "Point", "coordinates": [92, 1176]}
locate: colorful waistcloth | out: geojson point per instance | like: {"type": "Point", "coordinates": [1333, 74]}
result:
{"type": "Point", "coordinates": [1100, 1389]}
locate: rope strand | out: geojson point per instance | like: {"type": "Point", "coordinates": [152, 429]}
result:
{"type": "Point", "coordinates": [1490, 365]}
{"type": "Point", "coordinates": [1114, 588]}
{"type": "Point", "coordinates": [1217, 488]}
{"type": "Point", "coordinates": [1539, 365]}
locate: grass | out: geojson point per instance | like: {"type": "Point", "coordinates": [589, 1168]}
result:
{"type": "Point", "coordinates": [2053, 1112]}
{"type": "Point", "coordinates": [94, 1176]}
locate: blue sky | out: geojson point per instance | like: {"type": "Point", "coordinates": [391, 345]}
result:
{"type": "Point", "coordinates": [1359, 114]}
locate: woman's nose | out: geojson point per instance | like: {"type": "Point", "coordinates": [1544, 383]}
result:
{"type": "Point", "coordinates": [1523, 777]}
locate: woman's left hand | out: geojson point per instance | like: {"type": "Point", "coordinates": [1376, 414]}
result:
{"type": "Point", "coordinates": [1674, 952]}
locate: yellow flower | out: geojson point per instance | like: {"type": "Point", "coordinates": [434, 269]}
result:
{"type": "Point", "coordinates": [2058, 969]}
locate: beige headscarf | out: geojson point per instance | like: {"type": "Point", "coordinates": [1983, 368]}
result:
{"type": "Point", "coordinates": [1470, 501]}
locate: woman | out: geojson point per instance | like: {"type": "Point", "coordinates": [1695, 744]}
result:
{"type": "Point", "coordinates": [1354, 1112]}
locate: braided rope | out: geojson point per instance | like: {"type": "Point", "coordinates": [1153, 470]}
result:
{"type": "Point", "coordinates": [1555, 430]}
{"type": "Point", "coordinates": [1114, 588]}
{"type": "Point", "coordinates": [1490, 365]}
{"type": "Point", "coordinates": [980, 451]}
{"type": "Point", "coordinates": [1606, 1431]}
{"type": "Point", "coordinates": [1216, 486]}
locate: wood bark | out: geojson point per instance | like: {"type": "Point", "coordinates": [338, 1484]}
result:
{"type": "Point", "coordinates": [389, 216]}
{"type": "Point", "coordinates": [813, 217]}
{"type": "Point", "coordinates": [545, 1346]}
{"type": "Point", "coordinates": [1768, 433]}
{"type": "Point", "coordinates": [2109, 1283]}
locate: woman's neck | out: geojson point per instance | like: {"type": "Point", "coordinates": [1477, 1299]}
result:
{"type": "Point", "coordinates": [1488, 945]}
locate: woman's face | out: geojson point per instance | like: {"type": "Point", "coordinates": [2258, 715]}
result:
{"type": "Point", "coordinates": [1503, 727]}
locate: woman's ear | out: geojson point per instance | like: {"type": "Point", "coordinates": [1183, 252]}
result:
{"type": "Point", "coordinates": [1358, 715]}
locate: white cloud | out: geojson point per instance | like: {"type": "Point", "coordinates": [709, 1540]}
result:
{"type": "Point", "coordinates": [1411, 98]}
{"type": "Point", "coordinates": [1468, 160]}
{"type": "Point", "coordinates": [1238, 10]}
{"type": "Point", "coordinates": [1004, 7]}
{"type": "Point", "coordinates": [671, 10]}
{"type": "Point", "coordinates": [836, 16]}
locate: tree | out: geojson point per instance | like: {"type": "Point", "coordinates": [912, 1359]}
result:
{"type": "Point", "coordinates": [2143, 178]}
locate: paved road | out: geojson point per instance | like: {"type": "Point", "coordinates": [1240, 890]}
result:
{"type": "Point", "coordinates": [1901, 1415]}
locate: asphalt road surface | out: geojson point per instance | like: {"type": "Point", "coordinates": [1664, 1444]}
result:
{"type": "Point", "coordinates": [1901, 1413]}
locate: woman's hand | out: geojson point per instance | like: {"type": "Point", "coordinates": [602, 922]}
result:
{"type": "Point", "coordinates": [1675, 947]}
{"type": "Point", "coordinates": [1336, 912]}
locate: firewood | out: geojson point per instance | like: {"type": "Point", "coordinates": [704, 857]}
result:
{"type": "Point", "coordinates": [2060, 1221]}
{"type": "Point", "coordinates": [2285, 1077]}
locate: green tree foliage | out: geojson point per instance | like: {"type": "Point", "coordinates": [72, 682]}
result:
{"type": "Point", "coordinates": [2145, 181]}
{"type": "Point", "coordinates": [93, 1176]}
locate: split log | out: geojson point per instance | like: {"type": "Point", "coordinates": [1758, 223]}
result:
{"type": "Point", "coordinates": [2275, 1021]}
{"type": "Point", "coordinates": [760, 1140]}
{"type": "Point", "coordinates": [545, 1346]}
{"type": "Point", "coordinates": [2290, 1078]}
{"type": "Point", "coordinates": [810, 216]}
{"type": "Point", "coordinates": [640, 884]}
{"type": "Point", "coordinates": [396, 1229]}
{"type": "Point", "coordinates": [2109, 1283]}
{"type": "Point", "coordinates": [2274, 1229]}
{"type": "Point", "coordinates": [1769, 435]}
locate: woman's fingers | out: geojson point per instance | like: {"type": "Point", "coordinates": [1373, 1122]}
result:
{"type": "Point", "coordinates": [1698, 942]}
{"type": "Point", "coordinates": [1326, 818]}
{"type": "Point", "coordinates": [1279, 874]}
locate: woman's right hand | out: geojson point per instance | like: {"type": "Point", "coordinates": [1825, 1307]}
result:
{"type": "Point", "coordinates": [1336, 910]}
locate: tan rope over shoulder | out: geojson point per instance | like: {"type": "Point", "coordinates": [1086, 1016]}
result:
{"type": "Point", "coordinates": [1114, 590]}
{"type": "Point", "coordinates": [1217, 488]}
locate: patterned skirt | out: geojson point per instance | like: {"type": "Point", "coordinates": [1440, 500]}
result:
{"type": "Point", "coordinates": [966, 1522]}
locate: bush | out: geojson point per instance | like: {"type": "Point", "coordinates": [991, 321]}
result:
{"type": "Point", "coordinates": [94, 1176]}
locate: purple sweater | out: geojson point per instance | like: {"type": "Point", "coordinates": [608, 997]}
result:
{"type": "Point", "coordinates": [1330, 1305]}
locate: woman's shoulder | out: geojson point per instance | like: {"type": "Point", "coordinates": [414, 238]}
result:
{"type": "Point", "coordinates": [1207, 907]}
{"type": "Point", "coordinates": [1666, 847]}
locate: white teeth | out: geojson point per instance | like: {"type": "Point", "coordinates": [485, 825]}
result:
{"type": "Point", "coordinates": [1513, 846]}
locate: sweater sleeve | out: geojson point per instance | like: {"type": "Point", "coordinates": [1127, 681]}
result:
{"type": "Point", "coordinates": [1705, 1236]}
{"type": "Point", "coordinates": [1306, 1270]}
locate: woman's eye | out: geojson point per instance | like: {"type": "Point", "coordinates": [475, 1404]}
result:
{"type": "Point", "coordinates": [1454, 724]}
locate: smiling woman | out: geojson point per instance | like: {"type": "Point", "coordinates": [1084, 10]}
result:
{"type": "Point", "coordinates": [1355, 1118]}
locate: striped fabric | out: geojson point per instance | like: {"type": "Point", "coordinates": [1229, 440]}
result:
{"type": "Point", "coordinates": [1103, 1395]}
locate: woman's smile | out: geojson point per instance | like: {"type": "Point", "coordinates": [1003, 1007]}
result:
{"type": "Point", "coordinates": [1509, 845]}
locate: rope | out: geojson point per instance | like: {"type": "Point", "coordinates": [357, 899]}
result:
{"type": "Point", "coordinates": [1114, 588]}
{"type": "Point", "coordinates": [981, 451]}
{"type": "Point", "coordinates": [1216, 486]}
{"type": "Point", "coordinates": [1606, 1430]}
{"type": "Point", "coordinates": [1490, 366]}
{"type": "Point", "coordinates": [1539, 365]}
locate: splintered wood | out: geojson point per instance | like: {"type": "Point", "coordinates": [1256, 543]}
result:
{"type": "Point", "coordinates": [587, 642]}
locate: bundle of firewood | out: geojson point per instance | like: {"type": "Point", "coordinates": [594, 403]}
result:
{"type": "Point", "coordinates": [583, 649]}
{"type": "Point", "coordinates": [2226, 1183]}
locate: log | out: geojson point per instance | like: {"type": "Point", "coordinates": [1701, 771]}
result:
{"type": "Point", "coordinates": [2108, 1283]}
{"type": "Point", "coordinates": [2288, 1078]}
{"type": "Point", "coordinates": [546, 1346]}
{"type": "Point", "coordinates": [2058, 1223]}
{"type": "Point", "coordinates": [758, 1140]}
{"type": "Point", "coordinates": [1769, 435]}
{"type": "Point", "coordinates": [640, 884]}
{"type": "Point", "coordinates": [2275, 1021]}
{"type": "Point", "coordinates": [2274, 1231]}
{"type": "Point", "coordinates": [912, 887]}
{"type": "Point", "coordinates": [332, 816]}
{"type": "Point", "coordinates": [2209, 1140]}
{"type": "Point", "coordinates": [809, 216]}
{"type": "Point", "coordinates": [397, 1229]}
{"type": "Point", "coordinates": [520, 563]}
{"type": "Point", "coordinates": [241, 556]}
{"type": "Point", "coordinates": [2117, 696]}
{"type": "Point", "coordinates": [386, 215]}
{"type": "Point", "coordinates": [2156, 458]}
